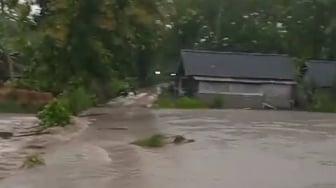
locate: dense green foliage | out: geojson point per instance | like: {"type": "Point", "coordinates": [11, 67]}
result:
{"type": "Point", "coordinates": [91, 42]}
{"type": "Point", "coordinates": [301, 28]}
{"type": "Point", "coordinates": [95, 44]}
{"type": "Point", "coordinates": [54, 114]}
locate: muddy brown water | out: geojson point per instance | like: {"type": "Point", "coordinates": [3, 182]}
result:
{"type": "Point", "coordinates": [233, 148]}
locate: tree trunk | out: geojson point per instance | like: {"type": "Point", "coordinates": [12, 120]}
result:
{"type": "Point", "coordinates": [10, 67]}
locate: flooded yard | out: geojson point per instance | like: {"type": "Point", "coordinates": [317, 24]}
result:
{"type": "Point", "coordinates": [232, 148]}
{"type": "Point", "coordinates": [11, 147]}
{"type": "Point", "coordinates": [238, 149]}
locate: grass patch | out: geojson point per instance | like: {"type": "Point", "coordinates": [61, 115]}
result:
{"type": "Point", "coordinates": [33, 160]}
{"type": "Point", "coordinates": [166, 101]}
{"type": "Point", "coordinates": [155, 141]}
{"type": "Point", "coordinates": [189, 103]}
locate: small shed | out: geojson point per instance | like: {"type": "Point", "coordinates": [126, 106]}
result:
{"type": "Point", "coordinates": [243, 80]}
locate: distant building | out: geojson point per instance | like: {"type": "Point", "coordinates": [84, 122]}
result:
{"type": "Point", "coordinates": [321, 74]}
{"type": "Point", "coordinates": [5, 69]}
{"type": "Point", "coordinates": [243, 80]}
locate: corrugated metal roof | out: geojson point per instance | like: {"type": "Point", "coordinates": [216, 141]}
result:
{"type": "Point", "coordinates": [237, 65]}
{"type": "Point", "coordinates": [321, 73]}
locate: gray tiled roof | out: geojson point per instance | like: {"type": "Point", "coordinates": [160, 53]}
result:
{"type": "Point", "coordinates": [321, 73]}
{"type": "Point", "coordinates": [237, 65]}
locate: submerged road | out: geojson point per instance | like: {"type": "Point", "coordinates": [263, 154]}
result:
{"type": "Point", "coordinates": [233, 148]}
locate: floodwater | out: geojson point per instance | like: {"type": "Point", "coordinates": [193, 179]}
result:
{"type": "Point", "coordinates": [11, 154]}
{"type": "Point", "coordinates": [239, 149]}
{"type": "Point", "coordinates": [233, 148]}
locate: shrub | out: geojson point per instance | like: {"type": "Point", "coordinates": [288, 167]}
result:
{"type": "Point", "coordinates": [217, 103]}
{"type": "Point", "coordinates": [154, 141]}
{"type": "Point", "coordinates": [54, 114]}
{"type": "Point", "coordinates": [76, 100]}
{"type": "Point", "coordinates": [189, 102]}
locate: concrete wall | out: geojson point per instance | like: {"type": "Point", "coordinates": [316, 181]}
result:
{"type": "Point", "coordinates": [248, 95]}
{"type": "Point", "coordinates": [281, 96]}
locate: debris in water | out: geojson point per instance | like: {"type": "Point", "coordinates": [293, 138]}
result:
{"type": "Point", "coordinates": [33, 160]}
{"type": "Point", "coordinates": [181, 139]}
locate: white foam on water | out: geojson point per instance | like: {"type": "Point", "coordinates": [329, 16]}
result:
{"type": "Point", "coordinates": [24, 118]}
{"type": "Point", "coordinates": [6, 146]}
{"type": "Point", "coordinates": [3, 121]}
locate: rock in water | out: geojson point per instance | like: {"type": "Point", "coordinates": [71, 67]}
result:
{"type": "Point", "coordinates": [179, 139]}
{"type": "Point", "coordinates": [6, 135]}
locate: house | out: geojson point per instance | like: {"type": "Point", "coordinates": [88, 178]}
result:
{"type": "Point", "coordinates": [243, 80]}
{"type": "Point", "coordinates": [321, 74]}
{"type": "Point", "coordinates": [10, 70]}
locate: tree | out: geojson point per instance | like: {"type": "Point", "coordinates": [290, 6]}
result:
{"type": "Point", "coordinates": [300, 28]}
{"type": "Point", "coordinates": [14, 34]}
{"type": "Point", "coordinates": [86, 41]}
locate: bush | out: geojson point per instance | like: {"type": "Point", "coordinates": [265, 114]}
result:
{"type": "Point", "coordinates": [77, 100]}
{"type": "Point", "coordinates": [217, 103]}
{"type": "Point", "coordinates": [54, 114]}
{"type": "Point", "coordinates": [189, 103]}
